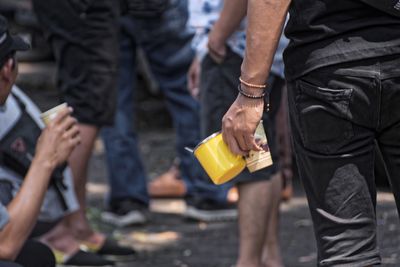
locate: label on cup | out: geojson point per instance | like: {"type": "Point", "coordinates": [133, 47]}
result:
{"type": "Point", "coordinates": [257, 160]}
{"type": "Point", "coordinates": [49, 115]}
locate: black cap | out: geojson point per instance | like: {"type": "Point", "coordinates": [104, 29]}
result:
{"type": "Point", "coordinates": [9, 43]}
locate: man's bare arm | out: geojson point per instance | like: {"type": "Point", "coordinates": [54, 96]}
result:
{"type": "Point", "coordinates": [24, 209]}
{"type": "Point", "coordinates": [265, 22]}
{"type": "Point", "coordinates": [228, 22]}
{"type": "Point", "coordinates": [54, 146]}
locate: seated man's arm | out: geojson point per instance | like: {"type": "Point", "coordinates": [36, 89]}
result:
{"type": "Point", "coordinates": [54, 146]}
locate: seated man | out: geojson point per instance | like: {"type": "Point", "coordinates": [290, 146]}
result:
{"type": "Point", "coordinates": [56, 142]}
{"type": "Point", "coordinates": [33, 186]}
{"type": "Point", "coordinates": [21, 127]}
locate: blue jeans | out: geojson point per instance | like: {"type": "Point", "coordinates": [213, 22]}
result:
{"type": "Point", "coordinates": [167, 47]}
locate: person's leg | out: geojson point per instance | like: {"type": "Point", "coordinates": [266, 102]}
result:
{"type": "Point", "coordinates": [271, 255]}
{"type": "Point", "coordinates": [258, 223]}
{"type": "Point", "coordinates": [285, 147]}
{"type": "Point", "coordinates": [60, 238]}
{"type": "Point", "coordinates": [78, 162]}
{"type": "Point", "coordinates": [168, 47]}
{"type": "Point", "coordinates": [259, 197]}
{"type": "Point", "coordinates": [254, 206]}
{"type": "Point", "coordinates": [128, 197]}
{"type": "Point", "coordinates": [35, 254]}
{"type": "Point", "coordinates": [388, 139]}
{"type": "Point", "coordinates": [84, 38]}
{"type": "Point", "coordinates": [332, 118]}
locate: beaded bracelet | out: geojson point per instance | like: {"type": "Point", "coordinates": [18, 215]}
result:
{"type": "Point", "coordinates": [252, 85]}
{"type": "Point", "coordinates": [243, 93]}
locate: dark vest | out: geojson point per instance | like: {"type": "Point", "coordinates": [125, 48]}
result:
{"type": "Point", "coordinates": [18, 146]}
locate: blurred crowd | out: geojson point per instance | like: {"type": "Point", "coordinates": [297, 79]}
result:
{"type": "Point", "coordinates": [220, 67]}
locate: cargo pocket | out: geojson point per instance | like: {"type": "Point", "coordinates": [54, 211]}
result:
{"type": "Point", "coordinates": [324, 117]}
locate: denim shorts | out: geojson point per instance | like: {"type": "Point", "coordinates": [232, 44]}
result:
{"type": "Point", "coordinates": [337, 115]}
{"type": "Point", "coordinates": [218, 90]}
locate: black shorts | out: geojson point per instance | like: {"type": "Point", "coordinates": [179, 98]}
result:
{"type": "Point", "coordinates": [219, 90]}
{"type": "Point", "coordinates": [84, 38]}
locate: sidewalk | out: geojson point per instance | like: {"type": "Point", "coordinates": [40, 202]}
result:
{"type": "Point", "coordinates": [169, 240]}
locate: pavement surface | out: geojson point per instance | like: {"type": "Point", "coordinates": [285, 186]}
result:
{"type": "Point", "coordinates": [168, 240]}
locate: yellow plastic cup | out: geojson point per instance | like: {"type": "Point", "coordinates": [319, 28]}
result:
{"type": "Point", "coordinates": [217, 160]}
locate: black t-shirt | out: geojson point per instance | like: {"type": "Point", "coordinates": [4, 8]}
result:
{"type": "Point", "coordinates": [327, 32]}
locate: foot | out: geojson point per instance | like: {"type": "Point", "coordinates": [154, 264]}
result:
{"type": "Point", "coordinates": [125, 213]}
{"type": "Point", "coordinates": [168, 184]}
{"type": "Point", "coordinates": [210, 211]}
{"type": "Point", "coordinates": [272, 263]}
{"type": "Point", "coordinates": [248, 264]}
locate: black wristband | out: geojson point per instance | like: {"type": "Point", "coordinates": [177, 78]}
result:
{"type": "Point", "coordinates": [243, 93]}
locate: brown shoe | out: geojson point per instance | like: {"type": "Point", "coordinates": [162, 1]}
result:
{"type": "Point", "coordinates": [167, 185]}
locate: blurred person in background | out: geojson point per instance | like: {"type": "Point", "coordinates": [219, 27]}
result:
{"type": "Point", "coordinates": [84, 38]}
{"type": "Point", "coordinates": [159, 28]}
{"type": "Point", "coordinates": [220, 43]}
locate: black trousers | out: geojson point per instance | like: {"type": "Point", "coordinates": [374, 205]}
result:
{"type": "Point", "coordinates": [337, 115]}
{"type": "Point", "coordinates": [32, 254]}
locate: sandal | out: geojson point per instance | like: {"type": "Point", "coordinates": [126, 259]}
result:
{"type": "Point", "coordinates": [110, 250]}
{"type": "Point", "coordinates": [81, 259]}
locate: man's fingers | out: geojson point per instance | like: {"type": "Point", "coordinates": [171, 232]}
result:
{"type": "Point", "coordinates": [230, 140]}
{"type": "Point", "coordinates": [67, 123]}
{"type": "Point", "coordinates": [242, 143]}
{"type": "Point", "coordinates": [76, 140]}
{"type": "Point", "coordinates": [235, 149]}
{"type": "Point", "coordinates": [61, 115]}
{"type": "Point", "coordinates": [251, 143]}
{"type": "Point", "coordinates": [72, 132]}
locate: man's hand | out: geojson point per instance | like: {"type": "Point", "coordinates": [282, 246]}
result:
{"type": "Point", "coordinates": [239, 124]}
{"type": "Point", "coordinates": [58, 139]}
{"type": "Point", "coordinates": [194, 77]}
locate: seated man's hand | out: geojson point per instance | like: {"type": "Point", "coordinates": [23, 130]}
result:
{"type": "Point", "coordinates": [239, 124]}
{"type": "Point", "coordinates": [58, 139]}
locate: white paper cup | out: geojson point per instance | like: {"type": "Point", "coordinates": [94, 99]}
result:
{"type": "Point", "coordinates": [257, 160]}
{"type": "Point", "coordinates": [49, 115]}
